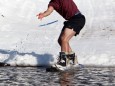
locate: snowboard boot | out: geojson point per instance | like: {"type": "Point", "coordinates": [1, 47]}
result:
{"type": "Point", "coordinates": [63, 59]}
{"type": "Point", "coordinates": [73, 58]}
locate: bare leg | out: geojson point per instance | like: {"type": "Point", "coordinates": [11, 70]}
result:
{"type": "Point", "coordinates": [64, 39]}
{"type": "Point", "coordinates": [59, 41]}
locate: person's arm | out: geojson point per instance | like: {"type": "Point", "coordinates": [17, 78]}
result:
{"type": "Point", "coordinates": [46, 13]}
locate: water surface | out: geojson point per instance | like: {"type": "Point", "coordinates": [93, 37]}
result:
{"type": "Point", "coordinates": [37, 76]}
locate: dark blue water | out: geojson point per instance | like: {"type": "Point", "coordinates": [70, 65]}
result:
{"type": "Point", "coordinates": [36, 76]}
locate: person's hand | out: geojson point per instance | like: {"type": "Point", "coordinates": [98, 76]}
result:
{"type": "Point", "coordinates": [40, 16]}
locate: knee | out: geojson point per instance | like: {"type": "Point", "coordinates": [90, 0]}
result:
{"type": "Point", "coordinates": [62, 40]}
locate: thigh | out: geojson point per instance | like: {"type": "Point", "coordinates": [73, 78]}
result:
{"type": "Point", "coordinates": [67, 34]}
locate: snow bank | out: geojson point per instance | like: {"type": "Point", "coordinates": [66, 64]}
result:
{"type": "Point", "coordinates": [24, 43]}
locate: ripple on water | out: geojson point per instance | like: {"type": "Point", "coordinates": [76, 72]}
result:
{"type": "Point", "coordinates": [36, 76]}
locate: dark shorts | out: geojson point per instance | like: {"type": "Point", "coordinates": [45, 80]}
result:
{"type": "Point", "coordinates": [76, 23]}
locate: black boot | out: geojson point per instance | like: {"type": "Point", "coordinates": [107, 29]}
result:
{"type": "Point", "coordinates": [63, 56]}
{"type": "Point", "coordinates": [73, 58]}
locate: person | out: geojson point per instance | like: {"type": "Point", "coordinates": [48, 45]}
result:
{"type": "Point", "coordinates": [74, 22]}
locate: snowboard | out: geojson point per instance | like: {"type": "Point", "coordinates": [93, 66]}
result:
{"type": "Point", "coordinates": [68, 64]}
{"type": "Point", "coordinates": [2, 64]}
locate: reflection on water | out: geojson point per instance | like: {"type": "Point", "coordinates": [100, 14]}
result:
{"type": "Point", "coordinates": [66, 78]}
{"type": "Point", "coordinates": [35, 76]}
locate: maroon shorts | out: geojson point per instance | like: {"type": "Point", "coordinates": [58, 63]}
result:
{"type": "Point", "coordinates": [76, 23]}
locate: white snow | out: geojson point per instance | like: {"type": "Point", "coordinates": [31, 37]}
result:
{"type": "Point", "coordinates": [24, 43]}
